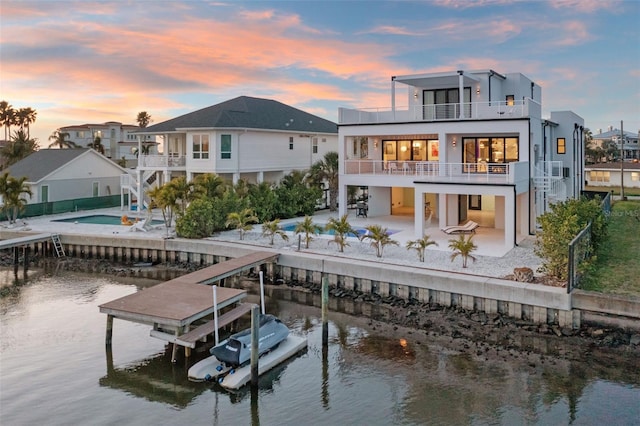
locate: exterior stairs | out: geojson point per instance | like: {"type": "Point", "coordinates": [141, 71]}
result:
{"type": "Point", "coordinates": [57, 245]}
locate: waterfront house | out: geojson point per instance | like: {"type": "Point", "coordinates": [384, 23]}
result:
{"type": "Point", "coordinates": [625, 142]}
{"type": "Point", "coordinates": [67, 174]}
{"type": "Point", "coordinates": [608, 174]}
{"type": "Point", "coordinates": [461, 145]}
{"type": "Point", "coordinates": [119, 140]}
{"type": "Point", "coordinates": [258, 140]}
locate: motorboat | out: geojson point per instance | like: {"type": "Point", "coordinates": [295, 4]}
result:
{"type": "Point", "coordinates": [235, 351]}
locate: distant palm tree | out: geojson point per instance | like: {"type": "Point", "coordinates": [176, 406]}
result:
{"type": "Point", "coordinates": [143, 119]}
{"type": "Point", "coordinates": [420, 246]}
{"type": "Point", "coordinates": [12, 191]}
{"type": "Point", "coordinates": [97, 145]}
{"type": "Point", "coordinates": [308, 228]}
{"type": "Point", "coordinates": [326, 170]}
{"type": "Point", "coordinates": [463, 247]}
{"type": "Point", "coordinates": [271, 229]}
{"type": "Point", "coordinates": [341, 229]}
{"type": "Point", "coordinates": [241, 221]}
{"type": "Point", "coordinates": [379, 238]}
{"type": "Point", "coordinates": [7, 117]}
{"type": "Point", "coordinates": [60, 140]}
{"type": "Point", "coordinates": [18, 148]}
{"type": "Point", "coordinates": [25, 117]}
{"type": "Point", "coordinates": [145, 150]}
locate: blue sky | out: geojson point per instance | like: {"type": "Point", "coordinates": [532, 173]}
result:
{"type": "Point", "coordinates": [79, 62]}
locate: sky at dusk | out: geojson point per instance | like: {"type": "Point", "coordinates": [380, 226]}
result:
{"type": "Point", "coordinates": [81, 62]}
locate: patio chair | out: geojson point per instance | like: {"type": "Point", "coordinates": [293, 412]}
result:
{"type": "Point", "coordinates": [406, 169]}
{"type": "Point", "coordinates": [468, 228]}
{"type": "Point", "coordinates": [140, 226]}
{"type": "Point", "coordinates": [393, 168]}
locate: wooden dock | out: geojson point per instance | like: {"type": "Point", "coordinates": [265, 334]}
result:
{"type": "Point", "coordinates": [173, 306]}
{"type": "Point", "coordinates": [23, 241]}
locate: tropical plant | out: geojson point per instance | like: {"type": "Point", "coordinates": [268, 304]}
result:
{"type": "Point", "coordinates": [12, 191]}
{"type": "Point", "coordinates": [326, 170]}
{"type": "Point", "coordinates": [19, 147]}
{"type": "Point", "coordinates": [263, 200]}
{"type": "Point", "coordinates": [198, 221]}
{"type": "Point", "coordinates": [143, 119]}
{"type": "Point", "coordinates": [341, 229]}
{"type": "Point", "coordinates": [7, 117]}
{"type": "Point", "coordinates": [271, 229]}
{"type": "Point", "coordinates": [184, 192]}
{"type": "Point", "coordinates": [209, 185]}
{"type": "Point", "coordinates": [24, 117]}
{"type": "Point", "coordinates": [308, 228]}
{"type": "Point", "coordinates": [463, 247]}
{"type": "Point", "coordinates": [421, 245]}
{"type": "Point", "coordinates": [60, 140]}
{"type": "Point", "coordinates": [295, 196]}
{"type": "Point", "coordinates": [379, 238]}
{"type": "Point", "coordinates": [97, 145]}
{"type": "Point", "coordinates": [145, 149]}
{"type": "Point", "coordinates": [165, 198]}
{"type": "Point", "coordinates": [241, 221]}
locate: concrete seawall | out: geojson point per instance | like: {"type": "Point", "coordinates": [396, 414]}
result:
{"type": "Point", "coordinates": [531, 302]}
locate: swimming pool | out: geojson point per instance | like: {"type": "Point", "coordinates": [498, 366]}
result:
{"type": "Point", "coordinates": [101, 219]}
{"type": "Point", "coordinates": [290, 227]}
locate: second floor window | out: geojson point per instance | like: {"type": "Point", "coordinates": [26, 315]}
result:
{"type": "Point", "coordinates": [314, 145]}
{"type": "Point", "coordinates": [201, 147]}
{"type": "Point", "coordinates": [511, 100]}
{"type": "Point", "coordinates": [225, 147]}
{"type": "Point", "coordinates": [562, 146]}
{"type": "Point", "coordinates": [290, 142]}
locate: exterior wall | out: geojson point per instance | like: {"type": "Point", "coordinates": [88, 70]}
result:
{"type": "Point", "coordinates": [573, 159]}
{"type": "Point", "coordinates": [614, 178]}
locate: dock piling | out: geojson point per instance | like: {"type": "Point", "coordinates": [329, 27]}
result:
{"type": "Point", "coordinates": [109, 335]}
{"type": "Point", "coordinates": [325, 310]}
{"type": "Point", "coordinates": [255, 336]}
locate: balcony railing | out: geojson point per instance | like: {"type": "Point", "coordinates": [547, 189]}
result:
{"type": "Point", "coordinates": [437, 171]}
{"type": "Point", "coordinates": [441, 112]}
{"type": "Point", "coordinates": [162, 161]}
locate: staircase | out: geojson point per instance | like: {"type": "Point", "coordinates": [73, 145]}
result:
{"type": "Point", "coordinates": [57, 245]}
{"type": "Point", "coordinates": [129, 183]}
{"type": "Point", "coordinates": [549, 184]}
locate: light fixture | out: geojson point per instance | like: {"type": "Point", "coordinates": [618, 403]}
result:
{"type": "Point", "coordinates": [403, 148]}
{"type": "Point", "coordinates": [453, 142]}
{"type": "Point", "coordinates": [375, 144]}
{"type": "Point", "coordinates": [478, 90]}
{"type": "Point", "coordinates": [415, 94]}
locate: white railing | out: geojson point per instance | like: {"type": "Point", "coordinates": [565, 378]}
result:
{"type": "Point", "coordinates": [435, 170]}
{"type": "Point", "coordinates": [162, 161]}
{"type": "Point", "coordinates": [440, 112]}
{"type": "Point", "coordinates": [127, 180]}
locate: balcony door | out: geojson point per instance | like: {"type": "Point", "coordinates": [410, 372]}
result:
{"type": "Point", "coordinates": [443, 104]}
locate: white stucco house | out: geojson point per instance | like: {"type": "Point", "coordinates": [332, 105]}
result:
{"type": "Point", "coordinates": [67, 174]}
{"type": "Point", "coordinates": [246, 138]}
{"type": "Point", "coordinates": [119, 140]}
{"type": "Point", "coordinates": [607, 175]}
{"type": "Point", "coordinates": [462, 145]}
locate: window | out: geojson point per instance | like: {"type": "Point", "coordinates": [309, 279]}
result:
{"type": "Point", "coordinates": [44, 194]}
{"type": "Point", "coordinates": [635, 176]}
{"type": "Point", "coordinates": [599, 176]}
{"type": "Point", "coordinates": [314, 145]}
{"type": "Point", "coordinates": [200, 147]}
{"type": "Point", "coordinates": [225, 147]}
{"type": "Point", "coordinates": [290, 142]}
{"type": "Point", "coordinates": [510, 100]}
{"type": "Point", "coordinates": [96, 189]}
{"type": "Point", "coordinates": [562, 146]}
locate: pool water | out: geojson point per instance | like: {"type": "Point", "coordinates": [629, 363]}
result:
{"type": "Point", "coordinates": [290, 227]}
{"type": "Point", "coordinates": [102, 219]}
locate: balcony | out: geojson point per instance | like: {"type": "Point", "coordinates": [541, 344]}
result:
{"type": "Point", "coordinates": [162, 161]}
{"type": "Point", "coordinates": [441, 112]}
{"type": "Point", "coordinates": [435, 171]}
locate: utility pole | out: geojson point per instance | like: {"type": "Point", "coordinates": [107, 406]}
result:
{"type": "Point", "coordinates": [622, 197]}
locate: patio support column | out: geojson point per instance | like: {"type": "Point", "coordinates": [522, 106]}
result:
{"type": "Point", "coordinates": [140, 189]}
{"type": "Point", "coordinates": [260, 177]}
{"type": "Point", "coordinates": [418, 202]}
{"type": "Point", "coordinates": [442, 210]}
{"type": "Point", "coordinates": [393, 96]}
{"type": "Point", "coordinates": [342, 200]}
{"type": "Point", "coordinates": [509, 219]}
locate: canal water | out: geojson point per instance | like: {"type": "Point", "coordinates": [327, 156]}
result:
{"type": "Point", "coordinates": [55, 370]}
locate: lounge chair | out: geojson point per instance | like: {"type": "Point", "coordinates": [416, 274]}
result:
{"type": "Point", "coordinates": [468, 228]}
{"type": "Point", "coordinates": [140, 226]}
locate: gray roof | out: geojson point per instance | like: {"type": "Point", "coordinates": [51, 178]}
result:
{"type": "Point", "coordinates": [43, 162]}
{"type": "Point", "coordinates": [245, 112]}
{"type": "Point", "coordinates": [613, 133]}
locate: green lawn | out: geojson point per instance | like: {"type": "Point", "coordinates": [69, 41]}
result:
{"type": "Point", "coordinates": [617, 268]}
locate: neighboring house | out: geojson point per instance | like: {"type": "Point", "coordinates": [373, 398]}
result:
{"type": "Point", "coordinates": [631, 147]}
{"type": "Point", "coordinates": [67, 174]}
{"type": "Point", "coordinates": [119, 140]}
{"type": "Point", "coordinates": [465, 144]}
{"type": "Point", "coordinates": [608, 174]}
{"type": "Point", "coordinates": [243, 138]}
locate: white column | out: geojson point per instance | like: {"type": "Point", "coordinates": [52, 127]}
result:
{"type": "Point", "coordinates": [418, 202]}
{"type": "Point", "coordinates": [260, 177]}
{"type": "Point", "coordinates": [236, 178]}
{"type": "Point", "coordinates": [140, 186]}
{"type": "Point", "coordinates": [442, 210]}
{"type": "Point", "coordinates": [342, 200]}
{"type": "Point", "coordinates": [461, 92]}
{"type": "Point", "coordinates": [509, 219]}
{"type": "Point", "coordinates": [393, 96]}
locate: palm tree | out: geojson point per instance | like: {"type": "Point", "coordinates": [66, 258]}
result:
{"type": "Point", "coordinates": [379, 237]}
{"type": "Point", "coordinates": [25, 117]}
{"type": "Point", "coordinates": [308, 228]}
{"type": "Point", "coordinates": [60, 140]}
{"type": "Point", "coordinates": [420, 246]}
{"type": "Point", "coordinates": [271, 229]}
{"type": "Point", "coordinates": [210, 185]}
{"type": "Point", "coordinates": [18, 148]}
{"type": "Point", "coordinates": [165, 198]}
{"type": "Point", "coordinates": [326, 170]}
{"type": "Point", "coordinates": [12, 191]}
{"type": "Point", "coordinates": [97, 145]}
{"type": "Point", "coordinates": [7, 117]}
{"type": "Point", "coordinates": [146, 148]}
{"type": "Point", "coordinates": [463, 247]}
{"type": "Point", "coordinates": [341, 229]}
{"type": "Point", "coordinates": [143, 119]}
{"type": "Point", "coordinates": [184, 192]}
{"type": "Point", "coordinates": [241, 221]}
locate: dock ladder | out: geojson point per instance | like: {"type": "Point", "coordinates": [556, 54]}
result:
{"type": "Point", "coordinates": [57, 244]}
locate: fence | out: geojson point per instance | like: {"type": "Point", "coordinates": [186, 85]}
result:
{"type": "Point", "coordinates": [580, 246]}
{"type": "Point", "coordinates": [65, 206]}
